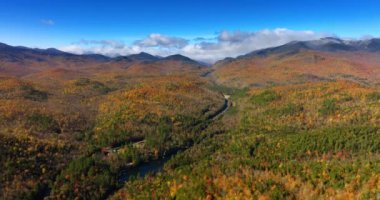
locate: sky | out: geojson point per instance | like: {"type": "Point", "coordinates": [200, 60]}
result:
{"type": "Point", "coordinates": [203, 30]}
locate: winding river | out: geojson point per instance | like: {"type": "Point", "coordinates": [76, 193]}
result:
{"type": "Point", "coordinates": [155, 166]}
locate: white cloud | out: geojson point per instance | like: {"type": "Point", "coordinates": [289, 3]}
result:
{"type": "Point", "coordinates": [112, 43]}
{"type": "Point", "coordinates": [47, 22]}
{"type": "Point", "coordinates": [224, 44]}
{"type": "Point", "coordinates": [158, 40]}
{"type": "Point", "coordinates": [104, 49]}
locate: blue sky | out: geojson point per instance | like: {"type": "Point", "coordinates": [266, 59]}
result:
{"type": "Point", "coordinates": [58, 23]}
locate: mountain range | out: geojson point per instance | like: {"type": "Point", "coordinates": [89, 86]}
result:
{"type": "Point", "coordinates": [295, 62]}
{"type": "Point", "coordinates": [23, 61]}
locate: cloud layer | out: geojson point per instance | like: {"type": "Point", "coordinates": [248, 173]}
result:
{"type": "Point", "coordinates": [224, 44]}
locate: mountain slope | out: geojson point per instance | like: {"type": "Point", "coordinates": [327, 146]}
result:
{"type": "Point", "coordinates": [298, 62]}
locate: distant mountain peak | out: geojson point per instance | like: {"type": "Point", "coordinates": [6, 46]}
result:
{"type": "Point", "coordinates": [183, 59]}
{"type": "Point", "coordinates": [373, 44]}
{"type": "Point", "coordinates": [331, 39]}
{"type": "Point", "coordinates": [178, 57]}
{"type": "Point", "coordinates": [143, 56]}
{"type": "Point", "coordinates": [52, 51]}
{"type": "Point", "coordinates": [4, 46]}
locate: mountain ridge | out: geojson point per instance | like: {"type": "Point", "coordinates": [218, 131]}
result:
{"type": "Point", "coordinates": [142, 56]}
{"type": "Point", "coordinates": [303, 61]}
{"type": "Point", "coordinates": [23, 61]}
{"type": "Point", "coordinates": [329, 44]}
